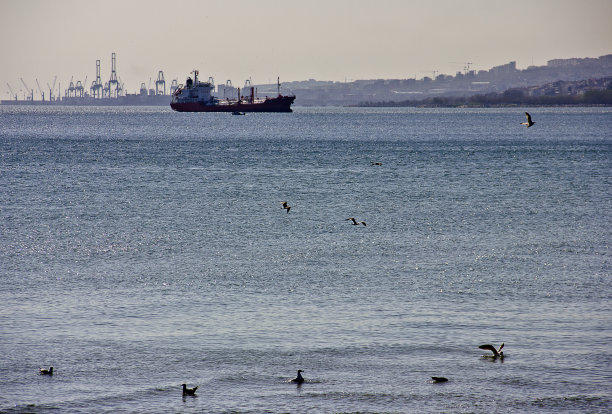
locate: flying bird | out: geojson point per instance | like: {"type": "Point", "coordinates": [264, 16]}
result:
{"type": "Point", "coordinates": [189, 391]}
{"type": "Point", "coordinates": [355, 222]}
{"type": "Point", "coordinates": [286, 206]}
{"type": "Point", "coordinates": [529, 121]}
{"type": "Point", "coordinates": [439, 379]}
{"type": "Point", "coordinates": [44, 371]}
{"type": "Point", "coordinates": [497, 353]}
{"type": "Point", "coordinates": [377, 163]}
{"type": "Point", "coordinates": [299, 379]}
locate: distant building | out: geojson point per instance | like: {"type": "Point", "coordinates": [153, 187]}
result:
{"type": "Point", "coordinates": [503, 69]}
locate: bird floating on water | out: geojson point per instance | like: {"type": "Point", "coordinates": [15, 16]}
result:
{"type": "Point", "coordinates": [355, 222]}
{"type": "Point", "coordinates": [497, 353]}
{"type": "Point", "coordinates": [377, 163]}
{"type": "Point", "coordinates": [44, 371]}
{"type": "Point", "coordinates": [439, 379]}
{"type": "Point", "coordinates": [189, 391]}
{"type": "Point", "coordinates": [286, 206]}
{"type": "Point", "coordinates": [299, 379]}
{"type": "Point", "coordinates": [529, 121]}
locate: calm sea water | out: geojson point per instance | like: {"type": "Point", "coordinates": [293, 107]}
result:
{"type": "Point", "coordinates": [141, 249]}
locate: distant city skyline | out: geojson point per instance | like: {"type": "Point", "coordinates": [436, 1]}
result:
{"type": "Point", "coordinates": [337, 40]}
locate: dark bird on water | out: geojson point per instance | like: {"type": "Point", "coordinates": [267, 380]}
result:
{"type": "Point", "coordinates": [286, 206]}
{"type": "Point", "coordinates": [189, 391]}
{"type": "Point", "coordinates": [439, 379]}
{"type": "Point", "coordinates": [299, 379]}
{"type": "Point", "coordinates": [377, 163]}
{"type": "Point", "coordinates": [44, 371]}
{"type": "Point", "coordinates": [497, 353]}
{"type": "Point", "coordinates": [529, 121]}
{"type": "Point", "coordinates": [355, 222]}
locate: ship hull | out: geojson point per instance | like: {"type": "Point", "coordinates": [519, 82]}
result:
{"type": "Point", "coordinates": [280, 104]}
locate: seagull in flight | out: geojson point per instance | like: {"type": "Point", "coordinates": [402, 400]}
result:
{"type": "Point", "coordinates": [286, 206]}
{"type": "Point", "coordinates": [529, 121]}
{"type": "Point", "coordinates": [497, 353]}
{"type": "Point", "coordinates": [355, 222]}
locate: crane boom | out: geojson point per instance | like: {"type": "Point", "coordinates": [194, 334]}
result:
{"type": "Point", "coordinates": [25, 84]}
{"type": "Point", "coordinates": [11, 89]}
{"type": "Point", "coordinates": [40, 90]}
{"type": "Point", "coordinates": [466, 66]}
{"type": "Point", "coordinates": [28, 89]}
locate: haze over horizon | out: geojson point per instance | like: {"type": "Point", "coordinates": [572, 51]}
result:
{"type": "Point", "coordinates": [333, 40]}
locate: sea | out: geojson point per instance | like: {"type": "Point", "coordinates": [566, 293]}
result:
{"type": "Point", "coordinates": [142, 249]}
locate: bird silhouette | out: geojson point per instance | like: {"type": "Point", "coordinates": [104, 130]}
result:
{"type": "Point", "coordinates": [439, 379]}
{"type": "Point", "coordinates": [299, 379]}
{"type": "Point", "coordinates": [529, 121]}
{"type": "Point", "coordinates": [44, 371]}
{"type": "Point", "coordinates": [189, 391]}
{"type": "Point", "coordinates": [497, 353]}
{"type": "Point", "coordinates": [355, 222]}
{"type": "Point", "coordinates": [286, 206]}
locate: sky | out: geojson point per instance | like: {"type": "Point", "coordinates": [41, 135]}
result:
{"type": "Point", "coordinates": [330, 40]}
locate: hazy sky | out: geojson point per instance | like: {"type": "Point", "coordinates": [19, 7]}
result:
{"type": "Point", "coordinates": [322, 39]}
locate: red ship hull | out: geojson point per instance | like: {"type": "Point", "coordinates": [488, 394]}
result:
{"type": "Point", "coordinates": [279, 104]}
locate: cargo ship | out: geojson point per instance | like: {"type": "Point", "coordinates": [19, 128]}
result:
{"type": "Point", "coordinates": [196, 96]}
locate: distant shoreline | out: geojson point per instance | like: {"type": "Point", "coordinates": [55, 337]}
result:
{"type": "Point", "coordinates": [593, 98]}
{"type": "Point", "coordinates": [425, 105]}
{"type": "Point", "coordinates": [502, 100]}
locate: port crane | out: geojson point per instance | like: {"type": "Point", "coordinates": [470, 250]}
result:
{"type": "Point", "coordinates": [80, 88]}
{"type": "Point", "coordinates": [71, 87]}
{"type": "Point", "coordinates": [173, 86]}
{"type": "Point", "coordinates": [31, 97]}
{"type": "Point", "coordinates": [42, 94]}
{"type": "Point", "coordinates": [51, 89]}
{"type": "Point", "coordinates": [160, 83]}
{"type": "Point", "coordinates": [96, 86]}
{"type": "Point", "coordinates": [113, 82]}
{"type": "Point", "coordinates": [13, 94]}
